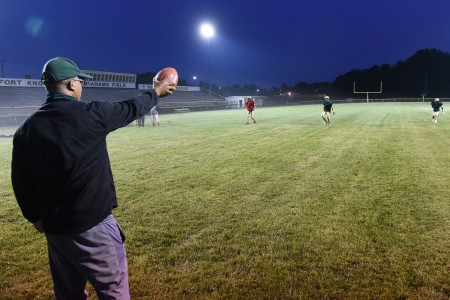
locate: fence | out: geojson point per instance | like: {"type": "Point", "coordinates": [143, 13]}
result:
{"type": "Point", "coordinates": [14, 115]}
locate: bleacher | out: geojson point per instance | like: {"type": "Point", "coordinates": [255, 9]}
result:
{"type": "Point", "coordinates": [186, 101]}
{"type": "Point", "coordinates": [19, 96]}
{"type": "Point", "coordinates": [16, 103]}
{"type": "Point", "coordinates": [191, 100]}
{"type": "Point", "coordinates": [108, 95]}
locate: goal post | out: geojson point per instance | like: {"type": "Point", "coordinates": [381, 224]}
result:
{"type": "Point", "coordinates": [367, 92]}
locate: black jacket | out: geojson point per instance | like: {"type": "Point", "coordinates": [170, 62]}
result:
{"type": "Point", "coordinates": [61, 172]}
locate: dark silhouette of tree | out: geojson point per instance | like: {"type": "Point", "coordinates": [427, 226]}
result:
{"type": "Point", "coordinates": [427, 71]}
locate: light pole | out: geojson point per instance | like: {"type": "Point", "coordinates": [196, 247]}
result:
{"type": "Point", "coordinates": [207, 32]}
{"type": "Point", "coordinates": [2, 61]}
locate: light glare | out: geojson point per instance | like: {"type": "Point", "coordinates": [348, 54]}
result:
{"type": "Point", "coordinates": [207, 30]}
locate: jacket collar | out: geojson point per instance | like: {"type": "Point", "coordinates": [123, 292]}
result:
{"type": "Point", "coordinates": [55, 96]}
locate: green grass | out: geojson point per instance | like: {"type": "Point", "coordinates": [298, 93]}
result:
{"type": "Point", "coordinates": [284, 209]}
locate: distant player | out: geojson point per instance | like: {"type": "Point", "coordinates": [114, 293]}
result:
{"type": "Point", "coordinates": [141, 121]}
{"type": "Point", "coordinates": [327, 108]}
{"type": "Point", "coordinates": [250, 106]}
{"type": "Point", "coordinates": [437, 107]}
{"type": "Point", "coordinates": [155, 115]}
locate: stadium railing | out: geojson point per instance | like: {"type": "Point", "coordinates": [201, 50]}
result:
{"type": "Point", "coordinates": [17, 103]}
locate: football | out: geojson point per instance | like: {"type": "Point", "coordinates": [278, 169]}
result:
{"type": "Point", "coordinates": [169, 74]}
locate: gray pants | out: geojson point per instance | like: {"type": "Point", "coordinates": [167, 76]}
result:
{"type": "Point", "coordinates": [96, 255]}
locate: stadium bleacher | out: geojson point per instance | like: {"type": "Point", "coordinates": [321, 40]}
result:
{"type": "Point", "coordinates": [185, 101]}
{"type": "Point", "coordinates": [108, 95]}
{"type": "Point", "coordinates": [19, 96]}
{"type": "Point", "coordinates": [16, 103]}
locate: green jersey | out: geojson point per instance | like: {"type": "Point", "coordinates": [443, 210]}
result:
{"type": "Point", "coordinates": [327, 104]}
{"type": "Point", "coordinates": [436, 105]}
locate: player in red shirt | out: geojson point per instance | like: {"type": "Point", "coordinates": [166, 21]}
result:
{"type": "Point", "coordinates": [250, 106]}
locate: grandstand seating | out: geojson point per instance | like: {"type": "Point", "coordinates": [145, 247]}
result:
{"type": "Point", "coordinates": [194, 96]}
{"type": "Point", "coordinates": [108, 95]}
{"type": "Point", "coordinates": [16, 103]}
{"type": "Point", "coordinates": [191, 101]}
{"type": "Point", "coordinates": [19, 96]}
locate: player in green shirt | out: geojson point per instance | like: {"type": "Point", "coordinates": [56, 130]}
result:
{"type": "Point", "coordinates": [327, 108]}
{"type": "Point", "coordinates": [437, 107]}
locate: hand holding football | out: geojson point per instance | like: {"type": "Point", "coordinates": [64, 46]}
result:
{"type": "Point", "coordinates": [169, 74]}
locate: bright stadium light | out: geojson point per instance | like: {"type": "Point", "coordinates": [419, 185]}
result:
{"type": "Point", "coordinates": [207, 31]}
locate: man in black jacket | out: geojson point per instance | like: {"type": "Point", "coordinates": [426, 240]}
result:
{"type": "Point", "coordinates": [63, 182]}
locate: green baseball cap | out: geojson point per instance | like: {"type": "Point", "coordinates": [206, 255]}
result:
{"type": "Point", "coordinates": [60, 68]}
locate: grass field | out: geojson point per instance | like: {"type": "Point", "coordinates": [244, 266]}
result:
{"type": "Point", "coordinates": [284, 209]}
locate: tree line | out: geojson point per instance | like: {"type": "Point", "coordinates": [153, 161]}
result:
{"type": "Point", "coordinates": [424, 74]}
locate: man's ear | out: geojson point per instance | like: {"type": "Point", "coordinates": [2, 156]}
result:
{"type": "Point", "coordinates": [69, 85]}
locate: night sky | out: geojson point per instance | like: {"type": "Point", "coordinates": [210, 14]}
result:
{"type": "Point", "coordinates": [266, 43]}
